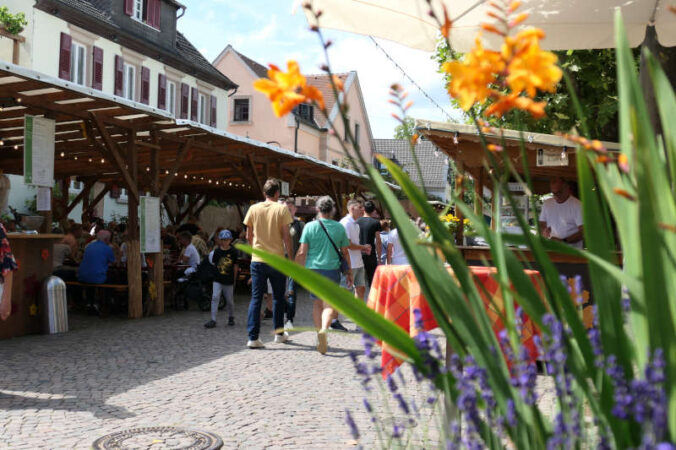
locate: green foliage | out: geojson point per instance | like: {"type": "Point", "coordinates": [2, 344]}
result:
{"type": "Point", "coordinates": [593, 75]}
{"type": "Point", "coordinates": [405, 129]}
{"type": "Point", "coordinates": [13, 23]}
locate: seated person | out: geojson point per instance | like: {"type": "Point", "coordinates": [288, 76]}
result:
{"type": "Point", "coordinates": [189, 255]}
{"type": "Point", "coordinates": [60, 254]}
{"type": "Point", "coordinates": [97, 257]}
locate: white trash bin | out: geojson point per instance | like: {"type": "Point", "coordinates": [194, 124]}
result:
{"type": "Point", "coordinates": [55, 306]}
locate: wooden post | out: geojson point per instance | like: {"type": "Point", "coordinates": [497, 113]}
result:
{"type": "Point", "coordinates": [157, 272]}
{"type": "Point", "coordinates": [479, 192]}
{"type": "Point", "coordinates": [133, 243]}
{"type": "Point", "coordinates": [63, 204]}
{"type": "Point", "coordinates": [460, 189]}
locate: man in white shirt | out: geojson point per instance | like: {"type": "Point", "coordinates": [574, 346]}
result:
{"type": "Point", "coordinates": [190, 255]}
{"type": "Point", "coordinates": [561, 216]}
{"type": "Point", "coordinates": [395, 251]}
{"type": "Point", "coordinates": [349, 222]}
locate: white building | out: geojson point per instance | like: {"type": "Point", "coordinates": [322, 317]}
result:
{"type": "Point", "coordinates": [127, 48]}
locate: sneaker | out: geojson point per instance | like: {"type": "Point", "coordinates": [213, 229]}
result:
{"type": "Point", "coordinates": [281, 338]}
{"type": "Point", "coordinates": [255, 344]}
{"type": "Point", "coordinates": [322, 341]}
{"type": "Point", "coordinates": [267, 314]}
{"type": "Point", "coordinates": [336, 325]}
{"type": "Point", "coordinates": [231, 321]}
{"type": "Point", "coordinates": [288, 325]}
{"type": "Point", "coordinates": [210, 324]}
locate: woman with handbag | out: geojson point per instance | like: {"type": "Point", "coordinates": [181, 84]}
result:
{"type": "Point", "coordinates": [323, 249]}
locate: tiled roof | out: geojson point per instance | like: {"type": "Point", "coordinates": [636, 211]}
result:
{"type": "Point", "coordinates": [432, 162]}
{"type": "Point", "coordinates": [188, 52]}
{"type": "Point", "coordinates": [183, 51]}
{"type": "Point", "coordinates": [259, 69]}
{"type": "Point", "coordinates": [99, 9]}
{"type": "Point", "coordinates": [323, 83]}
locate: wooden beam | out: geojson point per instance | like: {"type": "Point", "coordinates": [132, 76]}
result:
{"type": "Point", "coordinates": [167, 209]}
{"type": "Point", "coordinates": [252, 166]}
{"type": "Point", "coordinates": [148, 145]}
{"type": "Point", "coordinates": [205, 202]}
{"type": "Point", "coordinates": [84, 192]}
{"type": "Point", "coordinates": [135, 302]}
{"type": "Point", "coordinates": [191, 205]}
{"type": "Point", "coordinates": [292, 184]}
{"type": "Point", "coordinates": [97, 199]}
{"type": "Point", "coordinates": [113, 149]}
{"type": "Point", "coordinates": [180, 157]}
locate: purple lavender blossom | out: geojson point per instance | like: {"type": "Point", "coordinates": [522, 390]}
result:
{"type": "Point", "coordinates": [397, 431]}
{"type": "Point", "coordinates": [402, 403]}
{"type": "Point", "coordinates": [391, 385]}
{"type": "Point", "coordinates": [367, 406]}
{"type": "Point", "coordinates": [579, 288]}
{"type": "Point", "coordinates": [350, 422]}
{"type": "Point", "coordinates": [368, 342]}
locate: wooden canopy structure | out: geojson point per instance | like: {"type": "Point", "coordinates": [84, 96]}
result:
{"type": "Point", "coordinates": [462, 143]}
{"type": "Point", "coordinates": [108, 139]}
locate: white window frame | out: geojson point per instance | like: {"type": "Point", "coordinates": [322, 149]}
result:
{"type": "Point", "coordinates": [78, 53]}
{"type": "Point", "coordinates": [129, 83]}
{"type": "Point", "coordinates": [248, 119]}
{"type": "Point", "coordinates": [137, 14]}
{"type": "Point", "coordinates": [202, 108]}
{"type": "Point", "coordinates": [171, 98]}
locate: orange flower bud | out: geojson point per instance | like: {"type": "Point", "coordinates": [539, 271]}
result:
{"type": "Point", "coordinates": [518, 19]}
{"type": "Point", "coordinates": [624, 194]}
{"type": "Point", "coordinates": [513, 6]}
{"type": "Point", "coordinates": [495, 147]}
{"type": "Point", "coordinates": [414, 139]}
{"type": "Point", "coordinates": [492, 29]}
{"type": "Point", "coordinates": [623, 163]}
{"type": "Point", "coordinates": [408, 105]}
{"type": "Point", "coordinates": [446, 27]}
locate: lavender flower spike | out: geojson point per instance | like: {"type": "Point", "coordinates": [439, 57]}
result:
{"type": "Point", "coordinates": [350, 422]}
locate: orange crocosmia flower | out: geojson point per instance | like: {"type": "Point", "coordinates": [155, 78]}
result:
{"type": "Point", "coordinates": [532, 68]}
{"type": "Point", "coordinates": [471, 78]}
{"type": "Point", "coordinates": [513, 6]}
{"type": "Point", "coordinates": [518, 19]}
{"type": "Point", "coordinates": [492, 29]}
{"type": "Point", "coordinates": [514, 101]}
{"type": "Point", "coordinates": [495, 147]}
{"type": "Point", "coordinates": [414, 139]}
{"type": "Point", "coordinates": [286, 90]}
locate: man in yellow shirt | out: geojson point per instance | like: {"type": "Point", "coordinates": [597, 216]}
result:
{"type": "Point", "coordinates": [267, 225]}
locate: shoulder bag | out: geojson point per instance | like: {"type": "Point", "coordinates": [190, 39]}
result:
{"type": "Point", "coordinates": [344, 266]}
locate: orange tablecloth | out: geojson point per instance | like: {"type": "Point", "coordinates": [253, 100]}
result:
{"type": "Point", "coordinates": [395, 293]}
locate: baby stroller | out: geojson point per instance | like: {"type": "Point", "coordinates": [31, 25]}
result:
{"type": "Point", "coordinates": [198, 287]}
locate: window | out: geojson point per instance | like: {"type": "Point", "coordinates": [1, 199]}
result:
{"type": "Point", "coordinates": [144, 11]}
{"type": "Point", "coordinates": [138, 10]}
{"type": "Point", "coordinates": [305, 112]}
{"type": "Point", "coordinates": [78, 63]}
{"type": "Point", "coordinates": [356, 133]}
{"type": "Point", "coordinates": [129, 84]}
{"type": "Point", "coordinates": [171, 98]}
{"type": "Point", "coordinates": [241, 110]}
{"type": "Point", "coordinates": [201, 109]}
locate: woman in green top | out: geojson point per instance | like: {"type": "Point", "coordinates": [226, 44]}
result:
{"type": "Point", "coordinates": [316, 252]}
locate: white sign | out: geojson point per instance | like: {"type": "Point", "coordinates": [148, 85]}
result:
{"type": "Point", "coordinates": [44, 199]}
{"type": "Point", "coordinates": [552, 158]}
{"type": "Point", "coordinates": [38, 154]}
{"type": "Point", "coordinates": [150, 225]}
{"type": "Point", "coordinates": [285, 189]}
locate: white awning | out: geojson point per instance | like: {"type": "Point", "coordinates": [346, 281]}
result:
{"type": "Point", "coordinates": [569, 24]}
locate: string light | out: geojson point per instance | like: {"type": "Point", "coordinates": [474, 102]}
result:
{"type": "Point", "coordinates": [185, 176]}
{"type": "Point", "coordinates": [16, 147]}
{"type": "Point", "coordinates": [75, 158]}
{"type": "Point", "coordinates": [209, 181]}
{"type": "Point", "coordinates": [90, 160]}
{"type": "Point", "coordinates": [147, 169]}
{"type": "Point", "coordinates": [103, 160]}
{"type": "Point", "coordinates": [217, 182]}
{"type": "Point", "coordinates": [166, 172]}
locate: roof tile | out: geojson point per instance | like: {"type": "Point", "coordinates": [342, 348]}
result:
{"type": "Point", "coordinates": [434, 172]}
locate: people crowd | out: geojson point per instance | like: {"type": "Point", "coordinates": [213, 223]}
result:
{"type": "Point", "coordinates": [346, 250]}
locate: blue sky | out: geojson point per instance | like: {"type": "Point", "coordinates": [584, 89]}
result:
{"type": "Point", "coordinates": [268, 32]}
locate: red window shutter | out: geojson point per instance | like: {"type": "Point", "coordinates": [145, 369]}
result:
{"type": "Point", "coordinates": [119, 75]}
{"type": "Point", "coordinates": [145, 85]}
{"type": "Point", "coordinates": [129, 7]}
{"type": "Point", "coordinates": [97, 68]}
{"type": "Point", "coordinates": [64, 56]}
{"type": "Point", "coordinates": [185, 102]}
{"type": "Point", "coordinates": [193, 105]}
{"type": "Point", "coordinates": [162, 91]}
{"type": "Point", "coordinates": [154, 13]}
{"type": "Point", "coordinates": [212, 117]}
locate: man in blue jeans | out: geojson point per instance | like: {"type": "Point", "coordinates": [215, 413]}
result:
{"type": "Point", "coordinates": [267, 225]}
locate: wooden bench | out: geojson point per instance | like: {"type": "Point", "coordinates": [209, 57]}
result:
{"type": "Point", "coordinates": [101, 299]}
{"type": "Point", "coordinates": [116, 287]}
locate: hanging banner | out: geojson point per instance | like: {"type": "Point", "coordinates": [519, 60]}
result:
{"type": "Point", "coordinates": [38, 154]}
{"type": "Point", "coordinates": [44, 199]}
{"type": "Point", "coordinates": [150, 225]}
{"type": "Point", "coordinates": [285, 189]}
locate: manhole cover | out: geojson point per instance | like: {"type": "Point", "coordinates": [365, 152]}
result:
{"type": "Point", "coordinates": [159, 438]}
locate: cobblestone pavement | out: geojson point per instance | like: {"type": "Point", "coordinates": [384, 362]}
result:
{"type": "Point", "coordinates": [106, 375]}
